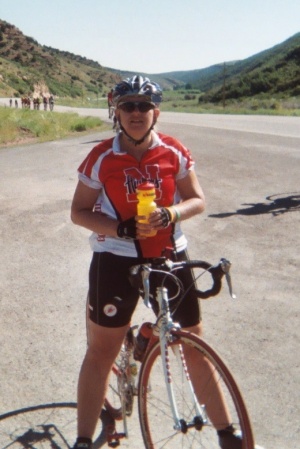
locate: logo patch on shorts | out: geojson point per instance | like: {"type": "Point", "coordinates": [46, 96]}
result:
{"type": "Point", "coordinates": [110, 310]}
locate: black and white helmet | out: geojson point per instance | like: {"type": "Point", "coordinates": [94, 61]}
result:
{"type": "Point", "coordinates": [137, 85]}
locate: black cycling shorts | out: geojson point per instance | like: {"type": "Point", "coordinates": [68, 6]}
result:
{"type": "Point", "coordinates": [113, 299]}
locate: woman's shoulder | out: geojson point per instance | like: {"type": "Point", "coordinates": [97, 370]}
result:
{"type": "Point", "coordinates": [174, 144]}
{"type": "Point", "coordinates": [170, 140]}
{"type": "Point", "coordinates": [103, 145]}
{"type": "Point", "coordinates": [97, 152]}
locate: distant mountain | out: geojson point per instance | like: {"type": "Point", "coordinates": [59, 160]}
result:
{"type": "Point", "coordinates": [275, 71]}
{"type": "Point", "coordinates": [27, 67]}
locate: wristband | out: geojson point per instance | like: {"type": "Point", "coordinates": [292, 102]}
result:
{"type": "Point", "coordinates": [127, 229]}
{"type": "Point", "coordinates": [166, 216]}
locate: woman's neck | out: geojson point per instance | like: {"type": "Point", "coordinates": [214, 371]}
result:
{"type": "Point", "coordinates": [136, 151]}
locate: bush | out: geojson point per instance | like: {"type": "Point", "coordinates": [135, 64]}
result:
{"type": "Point", "coordinates": [78, 127]}
{"type": "Point", "coordinates": [189, 97]}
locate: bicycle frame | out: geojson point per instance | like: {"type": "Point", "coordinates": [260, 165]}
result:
{"type": "Point", "coordinates": [162, 330]}
{"type": "Point", "coordinates": [171, 345]}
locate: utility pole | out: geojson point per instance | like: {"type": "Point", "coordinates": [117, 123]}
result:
{"type": "Point", "coordinates": [224, 85]}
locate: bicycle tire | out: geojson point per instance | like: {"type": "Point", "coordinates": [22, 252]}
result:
{"type": "Point", "coordinates": [44, 425]}
{"type": "Point", "coordinates": [156, 421]}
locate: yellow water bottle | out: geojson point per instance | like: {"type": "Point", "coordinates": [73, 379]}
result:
{"type": "Point", "coordinates": [146, 202]}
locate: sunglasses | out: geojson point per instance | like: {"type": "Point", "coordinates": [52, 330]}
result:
{"type": "Point", "coordinates": [130, 106]}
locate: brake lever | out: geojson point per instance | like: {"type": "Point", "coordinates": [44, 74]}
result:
{"type": "Point", "coordinates": [225, 265]}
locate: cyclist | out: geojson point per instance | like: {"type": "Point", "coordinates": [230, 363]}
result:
{"type": "Point", "coordinates": [110, 103]}
{"type": "Point", "coordinates": [105, 203]}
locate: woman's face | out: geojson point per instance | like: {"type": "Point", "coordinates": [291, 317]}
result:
{"type": "Point", "coordinates": [136, 122]}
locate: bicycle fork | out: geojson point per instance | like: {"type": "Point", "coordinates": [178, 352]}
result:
{"type": "Point", "coordinates": [165, 325]}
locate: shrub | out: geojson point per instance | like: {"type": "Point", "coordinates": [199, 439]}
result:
{"type": "Point", "coordinates": [78, 127]}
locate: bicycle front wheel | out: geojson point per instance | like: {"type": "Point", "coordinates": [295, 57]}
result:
{"type": "Point", "coordinates": [206, 395]}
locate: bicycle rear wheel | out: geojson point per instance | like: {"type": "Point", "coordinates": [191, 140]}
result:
{"type": "Point", "coordinates": [197, 430]}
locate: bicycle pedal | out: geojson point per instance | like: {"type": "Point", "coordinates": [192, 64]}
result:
{"type": "Point", "coordinates": [114, 444]}
{"type": "Point", "coordinates": [113, 439]}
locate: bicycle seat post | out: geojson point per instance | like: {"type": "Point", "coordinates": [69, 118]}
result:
{"type": "Point", "coordinates": [145, 276]}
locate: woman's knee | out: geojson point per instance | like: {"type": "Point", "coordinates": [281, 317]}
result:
{"type": "Point", "coordinates": [197, 329]}
{"type": "Point", "coordinates": [104, 342]}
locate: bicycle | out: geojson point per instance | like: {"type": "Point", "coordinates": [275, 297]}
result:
{"type": "Point", "coordinates": [170, 414]}
{"type": "Point", "coordinates": [111, 111]}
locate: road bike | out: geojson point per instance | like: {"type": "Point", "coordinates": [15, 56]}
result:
{"type": "Point", "coordinates": [170, 413]}
{"type": "Point", "coordinates": [174, 404]}
{"type": "Point", "coordinates": [111, 111]}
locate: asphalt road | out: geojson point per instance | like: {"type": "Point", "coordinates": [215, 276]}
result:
{"type": "Point", "coordinates": [249, 170]}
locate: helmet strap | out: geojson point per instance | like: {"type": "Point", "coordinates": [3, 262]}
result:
{"type": "Point", "coordinates": [135, 141]}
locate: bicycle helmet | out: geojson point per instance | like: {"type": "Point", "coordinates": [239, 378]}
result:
{"type": "Point", "coordinates": [137, 85]}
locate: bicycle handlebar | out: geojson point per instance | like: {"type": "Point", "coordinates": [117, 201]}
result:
{"type": "Point", "coordinates": [166, 265]}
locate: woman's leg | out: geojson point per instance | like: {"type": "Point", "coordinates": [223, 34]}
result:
{"type": "Point", "coordinates": [103, 347]}
{"type": "Point", "coordinates": [201, 371]}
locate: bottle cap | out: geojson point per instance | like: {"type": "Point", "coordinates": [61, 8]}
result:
{"type": "Point", "coordinates": [146, 186]}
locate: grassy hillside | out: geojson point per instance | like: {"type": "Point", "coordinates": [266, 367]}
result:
{"type": "Point", "coordinates": [26, 66]}
{"type": "Point", "coordinates": [272, 72]}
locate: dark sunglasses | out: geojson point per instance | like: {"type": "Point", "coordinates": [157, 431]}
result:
{"type": "Point", "coordinates": [130, 106]}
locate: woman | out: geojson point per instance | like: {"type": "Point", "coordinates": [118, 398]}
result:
{"type": "Point", "coordinates": [105, 202]}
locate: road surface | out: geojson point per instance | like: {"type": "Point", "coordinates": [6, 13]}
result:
{"type": "Point", "coordinates": [249, 170]}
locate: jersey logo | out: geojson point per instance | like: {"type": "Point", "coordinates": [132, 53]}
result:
{"type": "Point", "coordinates": [134, 177]}
{"type": "Point", "coordinates": [110, 310]}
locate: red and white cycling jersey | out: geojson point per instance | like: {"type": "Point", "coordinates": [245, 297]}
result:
{"type": "Point", "coordinates": [116, 175]}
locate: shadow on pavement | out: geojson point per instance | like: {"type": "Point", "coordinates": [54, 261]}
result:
{"type": "Point", "coordinates": [53, 425]}
{"type": "Point", "coordinates": [276, 204]}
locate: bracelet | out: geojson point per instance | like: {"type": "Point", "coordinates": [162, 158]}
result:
{"type": "Point", "coordinates": [174, 213]}
{"type": "Point", "coordinates": [178, 215]}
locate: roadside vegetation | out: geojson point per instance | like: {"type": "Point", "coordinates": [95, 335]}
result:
{"type": "Point", "coordinates": [190, 101]}
{"type": "Point", "coordinates": [24, 125]}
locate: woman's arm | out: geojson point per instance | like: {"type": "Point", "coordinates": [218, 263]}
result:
{"type": "Point", "coordinates": [83, 214]}
{"type": "Point", "coordinates": [192, 196]}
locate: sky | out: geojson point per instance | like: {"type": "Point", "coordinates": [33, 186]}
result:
{"type": "Point", "coordinates": [156, 36]}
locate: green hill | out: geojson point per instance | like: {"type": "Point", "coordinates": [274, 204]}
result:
{"type": "Point", "coordinates": [275, 71]}
{"type": "Point", "coordinates": [27, 67]}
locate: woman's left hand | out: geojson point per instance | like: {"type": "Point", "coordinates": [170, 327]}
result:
{"type": "Point", "coordinates": [160, 218]}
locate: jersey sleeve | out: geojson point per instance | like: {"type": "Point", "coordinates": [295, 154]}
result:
{"type": "Point", "coordinates": [93, 184]}
{"type": "Point", "coordinates": [186, 165]}
{"type": "Point", "coordinates": [185, 159]}
{"type": "Point", "coordinates": [89, 169]}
